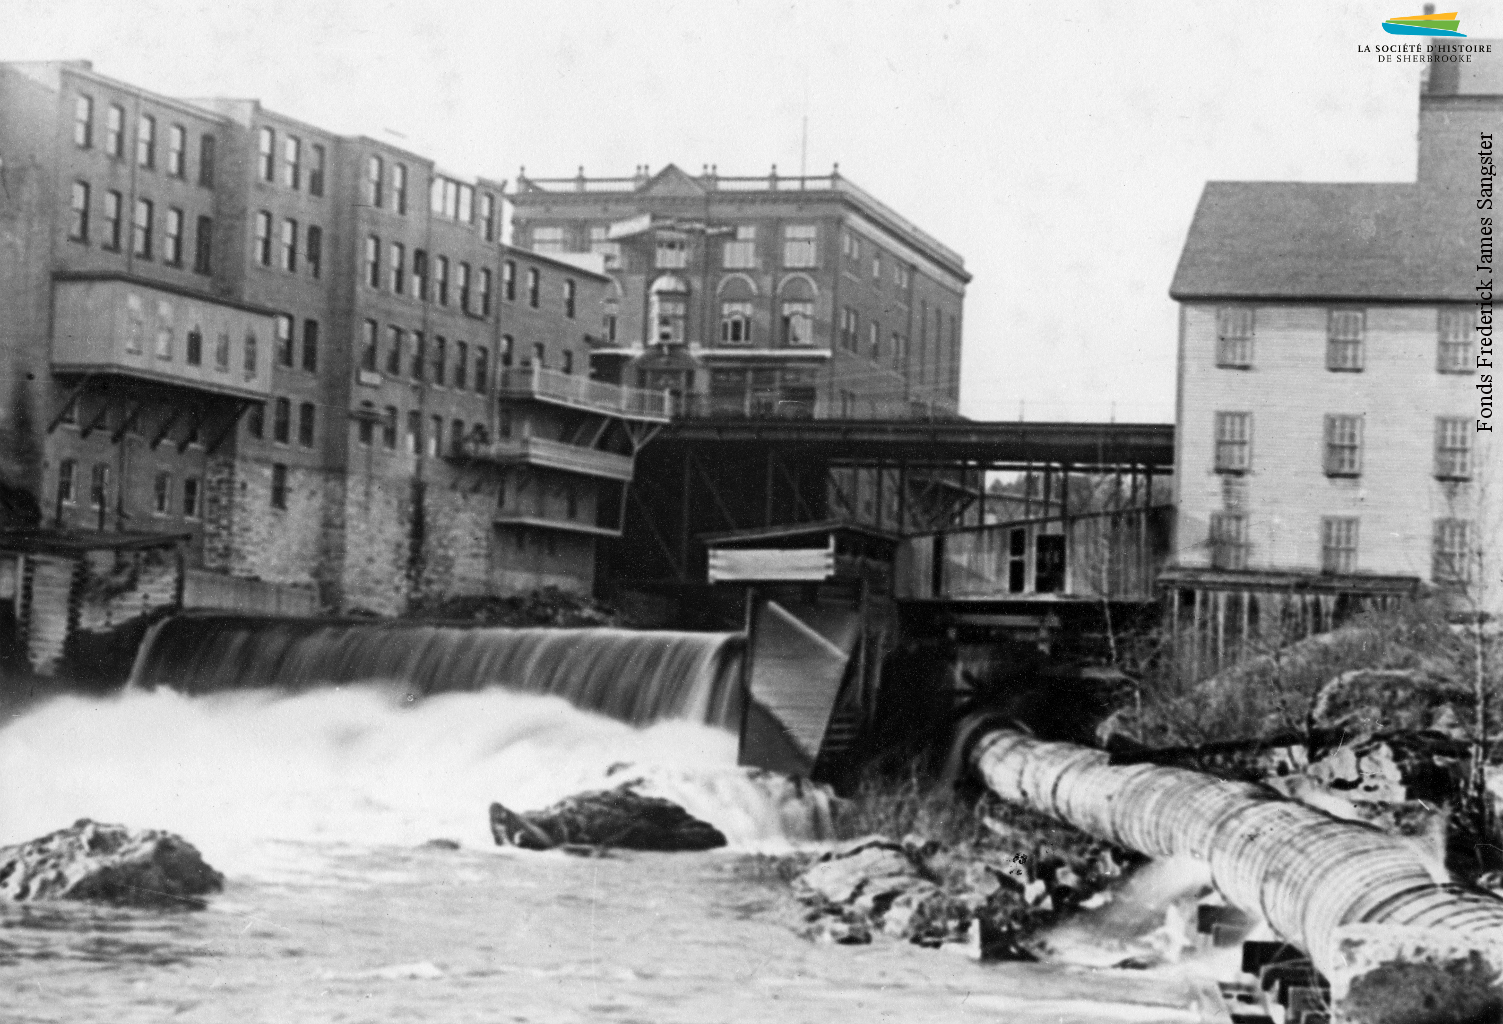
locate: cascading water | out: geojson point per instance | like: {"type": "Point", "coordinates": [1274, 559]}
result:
{"type": "Point", "coordinates": [633, 676]}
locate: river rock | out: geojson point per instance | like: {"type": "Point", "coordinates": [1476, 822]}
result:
{"type": "Point", "coordinates": [108, 864]}
{"type": "Point", "coordinates": [619, 817]}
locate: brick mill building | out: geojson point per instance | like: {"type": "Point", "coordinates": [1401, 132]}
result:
{"type": "Point", "coordinates": [1332, 383]}
{"type": "Point", "coordinates": [770, 295]}
{"type": "Point", "coordinates": [307, 358]}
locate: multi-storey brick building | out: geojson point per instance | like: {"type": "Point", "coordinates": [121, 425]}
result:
{"type": "Point", "coordinates": [310, 355]}
{"type": "Point", "coordinates": [761, 296]}
{"type": "Point", "coordinates": [1335, 428]}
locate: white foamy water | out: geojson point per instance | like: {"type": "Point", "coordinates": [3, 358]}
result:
{"type": "Point", "coordinates": [363, 766]}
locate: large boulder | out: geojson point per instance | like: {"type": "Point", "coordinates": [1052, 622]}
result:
{"type": "Point", "coordinates": [619, 817]}
{"type": "Point", "coordinates": [108, 864]}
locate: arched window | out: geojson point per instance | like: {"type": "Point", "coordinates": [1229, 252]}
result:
{"type": "Point", "coordinates": [736, 295]}
{"type": "Point", "coordinates": [796, 307]}
{"type": "Point", "coordinates": [669, 309]}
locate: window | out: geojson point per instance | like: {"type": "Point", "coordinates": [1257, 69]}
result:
{"type": "Point", "coordinates": [289, 245]}
{"type": "Point", "coordinates": [278, 485]}
{"type": "Point", "coordinates": [374, 172]}
{"type": "Point", "coordinates": [440, 360]}
{"type": "Point", "coordinates": [281, 420]}
{"type": "Point", "coordinates": [1344, 335]}
{"type": "Point", "coordinates": [373, 261]}
{"type": "Point", "coordinates": [1451, 562]}
{"type": "Point", "coordinates": [112, 204]}
{"type": "Point", "coordinates": [435, 435]}
{"type": "Point", "coordinates": [798, 323]}
{"type": "Point", "coordinates": [568, 364]}
{"type": "Point", "coordinates": [1454, 340]}
{"type": "Point", "coordinates": [441, 280]}
{"type": "Point", "coordinates": [394, 350]}
{"type": "Point", "coordinates": [800, 245]}
{"type": "Point", "coordinates": [534, 287]}
{"type": "Point", "coordinates": [419, 274]}
{"type": "Point", "coordinates": [389, 428]}
{"type": "Point", "coordinates": [672, 252]}
{"type": "Point", "coordinates": [78, 228]}
{"type": "Point", "coordinates": [736, 323]}
{"type": "Point", "coordinates": [206, 161]}
{"type": "Point", "coordinates": [266, 154]}
{"type": "Point", "coordinates": [569, 294]}
{"type": "Point", "coordinates": [849, 324]}
{"type": "Point", "coordinates": [874, 341]}
{"type": "Point", "coordinates": [461, 365]}
{"type": "Point", "coordinates": [316, 169]}
{"type": "Point", "coordinates": [177, 145]}
{"type": "Point", "coordinates": [190, 497]}
{"type": "Point", "coordinates": [548, 239]}
{"type": "Point", "coordinates": [1453, 448]}
{"type": "Point", "coordinates": [306, 416]}
{"type": "Point", "coordinates": [141, 229]}
{"type": "Point", "coordinates": [485, 291]}
{"type": "Point", "coordinates": [1338, 544]}
{"type": "Point", "coordinates": [399, 188]}
{"type": "Point", "coordinates": [195, 354]}
{"type": "Point", "coordinates": [850, 245]}
{"type": "Point", "coordinates": [414, 432]}
{"type": "Point", "coordinates": [263, 238]}
{"type": "Point", "coordinates": [162, 494]}
{"type": "Point", "coordinates": [250, 353]}
{"type": "Point", "coordinates": [114, 131]}
{"type": "Point", "coordinates": [419, 355]}
{"type": "Point", "coordinates": [462, 280]}
{"type": "Point", "coordinates": [482, 369]}
{"type": "Point", "coordinates": [398, 268]}
{"type": "Point", "coordinates": [99, 485]}
{"type": "Point", "coordinates": [315, 254]}
{"type": "Point", "coordinates": [509, 280]}
{"type": "Point", "coordinates": [284, 340]}
{"type": "Point", "coordinates": [1343, 445]}
{"type": "Point", "coordinates": [741, 254]}
{"type": "Point", "coordinates": [203, 246]}
{"type": "Point", "coordinates": [146, 141]}
{"type": "Point", "coordinates": [67, 473]}
{"type": "Point", "coordinates": [1234, 336]}
{"type": "Point", "coordinates": [292, 161]}
{"type": "Point", "coordinates": [172, 238]}
{"type": "Point", "coordinates": [222, 354]}
{"type": "Point", "coordinates": [83, 122]}
{"type": "Point", "coordinates": [1233, 442]}
{"type": "Point", "coordinates": [488, 216]}
{"type": "Point", "coordinates": [1228, 540]}
{"type": "Point", "coordinates": [368, 346]}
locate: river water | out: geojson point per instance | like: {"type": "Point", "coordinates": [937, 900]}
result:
{"type": "Point", "coordinates": [319, 807]}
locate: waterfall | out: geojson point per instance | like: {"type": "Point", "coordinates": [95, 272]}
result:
{"type": "Point", "coordinates": [634, 676]}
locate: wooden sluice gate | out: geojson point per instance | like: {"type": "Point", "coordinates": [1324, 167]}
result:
{"type": "Point", "coordinates": [1397, 943]}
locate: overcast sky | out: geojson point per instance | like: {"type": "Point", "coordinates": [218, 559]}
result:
{"type": "Point", "coordinates": [1060, 148]}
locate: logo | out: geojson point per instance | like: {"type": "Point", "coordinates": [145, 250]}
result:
{"type": "Point", "coordinates": [1425, 25]}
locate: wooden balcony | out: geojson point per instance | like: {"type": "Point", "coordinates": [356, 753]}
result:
{"type": "Point", "coordinates": [539, 451]}
{"type": "Point", "coordinates": [579, 392]}
{"type": "Point", "coordinates": [116, 325]}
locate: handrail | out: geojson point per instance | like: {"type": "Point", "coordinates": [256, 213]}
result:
{"type": "Point", "coordinates": [574, 389]}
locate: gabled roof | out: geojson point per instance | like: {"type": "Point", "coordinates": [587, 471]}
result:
{"type": "Point", "coordinates": [1273, 240]}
